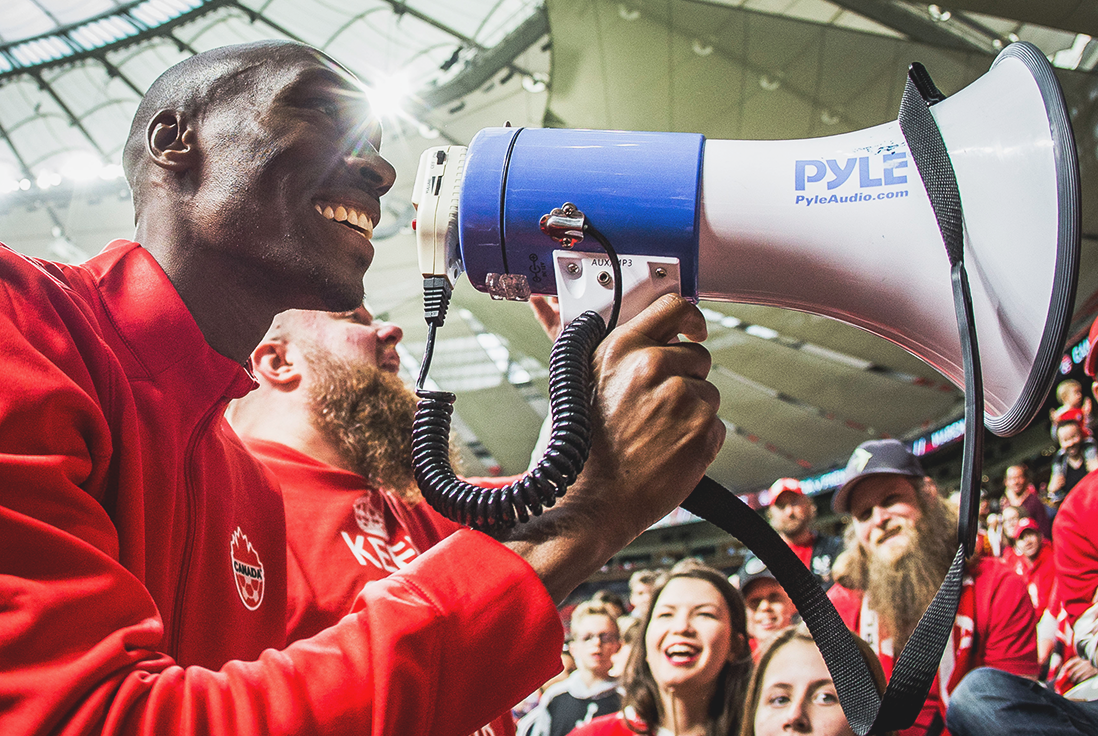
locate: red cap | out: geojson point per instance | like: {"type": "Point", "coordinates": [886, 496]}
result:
{"type": "Point", "coordinates": [784, 485]}
{"type": "Point", "coordinates": [1091, 362]}
{"type": "Point", "coordinates": [1026, 525]}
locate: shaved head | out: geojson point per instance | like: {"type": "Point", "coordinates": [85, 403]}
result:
{"type": "Point", "coordinates": [192, 86]}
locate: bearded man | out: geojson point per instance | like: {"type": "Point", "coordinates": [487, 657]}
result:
{"type": "Point", "coordinates": [332, 422]}
{"type": "Point", "coordinates": [902, 543]}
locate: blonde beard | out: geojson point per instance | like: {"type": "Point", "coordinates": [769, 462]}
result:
{"type": "Point", "coordinates": [900, 586]}
{"type": "Point", "coordinates": [367, 414]}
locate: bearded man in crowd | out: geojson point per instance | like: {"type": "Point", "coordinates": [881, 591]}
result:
{"type": "Point", "coordinates": [332, 421]}
{"type": "Point", "coordinates": [904, 539]}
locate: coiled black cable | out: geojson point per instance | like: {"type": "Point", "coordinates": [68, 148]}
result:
{"type": "Point", "coordinates": [491, 509]}
{"type": "Point", "coordinates": [570, 387]}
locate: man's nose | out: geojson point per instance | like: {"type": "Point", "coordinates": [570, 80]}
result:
{"type": "Point", "coordinates": [372, 169]}
{"type": "Point", "coordinates": [880, 516]}
{"type": "Point", "coordinates": [390, 333]}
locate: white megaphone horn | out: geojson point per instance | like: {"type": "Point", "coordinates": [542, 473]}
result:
{"type": "Point", "coordinates": [839, 226]}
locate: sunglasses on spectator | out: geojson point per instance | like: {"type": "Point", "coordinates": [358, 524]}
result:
{"type": "Point", "coordinates": [773, 599]}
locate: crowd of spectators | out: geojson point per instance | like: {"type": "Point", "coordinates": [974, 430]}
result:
{"type": "Point", "coordinates": [1026, 621]}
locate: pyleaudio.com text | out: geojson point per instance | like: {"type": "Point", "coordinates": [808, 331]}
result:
{"type": "Point", "coordinates": [847, 199]}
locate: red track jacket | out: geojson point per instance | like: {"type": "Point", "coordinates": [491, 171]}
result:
{"type": "Point", "coordinates": [143, 552]}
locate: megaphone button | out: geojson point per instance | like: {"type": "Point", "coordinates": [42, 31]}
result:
{"type": "Point", "coordinates": [413, 224]}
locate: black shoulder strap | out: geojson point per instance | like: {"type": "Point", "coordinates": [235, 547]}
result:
{"type": "Point", "coordinates": [917, 664]}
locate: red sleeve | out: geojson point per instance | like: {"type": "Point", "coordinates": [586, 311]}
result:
{"type": "Point", "coordinates": [1007, 624]}
{"type": "Point", "coordinates": [420, 654]}
{"type": "Point", "coordinates": [611, 724]}
{"type": "Point", "coordinates": [441, 647]}
{"type": "Point", "coordinates": [1075, 547]}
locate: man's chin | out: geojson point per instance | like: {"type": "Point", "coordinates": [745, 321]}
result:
{"type": "Point", "coordinates": [893, 548]}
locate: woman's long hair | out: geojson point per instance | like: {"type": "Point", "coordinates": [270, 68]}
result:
{"type": "Point", "coordinates": [799, 632]}
{"type": "Point", "coordinates": [642, 698]}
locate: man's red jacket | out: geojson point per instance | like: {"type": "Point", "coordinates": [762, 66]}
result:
{"type": "Point", "coordinates": [143, 551]}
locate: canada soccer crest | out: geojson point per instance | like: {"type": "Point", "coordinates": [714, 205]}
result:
{"type": "Point", "coordinates": [247, 570]}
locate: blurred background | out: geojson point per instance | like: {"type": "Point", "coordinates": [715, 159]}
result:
{"type": "Point", "coordinates": [799, 392]}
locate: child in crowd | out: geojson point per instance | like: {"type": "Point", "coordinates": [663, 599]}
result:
{"type": "Point", "coordinates": [589, 691]}
{"type": "Point", "coordinates": [1071, 397]}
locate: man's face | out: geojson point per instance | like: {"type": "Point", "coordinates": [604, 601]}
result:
{"type": "Point", "coordinates": [595, 640]}
{"type": "Point", "coordinates": [1015, 480]}
{"type": "Point", "coordinates": [1010, 520]}
{"type": "Point", "coordinates": [287, 155]}
{"type": "Point", "coordinates": [884, 510]}
{"type": "Point", "coordinates": [1029, 544]}
{"type": "Point", "coordinates": [790, 514]}
{"type": "Point", "coordinates": [769, 608]}
{"type": "Point", "coordinates": [1071, 439]}
{"type": "Point", "coordinates": [355, 337]}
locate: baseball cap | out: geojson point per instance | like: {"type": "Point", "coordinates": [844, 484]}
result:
{"type": "Point", "coordinates": [784, 485]}
{"type": "Point", "coordinates": [875, 457]}
{"type": "Point", "coordinates": [753, 570]}
{"type": "Point", "coordinates": [1026, 525]}
{"type": "Point", "coordinates": [1091, 361]}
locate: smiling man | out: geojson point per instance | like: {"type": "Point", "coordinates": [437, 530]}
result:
{"type": "Point", "coordinates": [142, 548]}
{"type": "Point", "coordinates": [904, 541]}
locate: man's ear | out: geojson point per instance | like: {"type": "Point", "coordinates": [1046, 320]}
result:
{"type": "Point", "coordinates": [271, 361]}
{"type": "Point", "coordinates": [171, 141]}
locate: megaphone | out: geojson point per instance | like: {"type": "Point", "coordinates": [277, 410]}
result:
{"type": "Point", "coordinates": [838, 226]}
{"type": "Point", "coordinates": [850, 227]}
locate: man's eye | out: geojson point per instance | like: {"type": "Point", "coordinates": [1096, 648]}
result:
{"type": "Point", "coordinates": [325, 106]}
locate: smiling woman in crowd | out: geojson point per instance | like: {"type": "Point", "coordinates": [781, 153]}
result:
{"type": "Point", "coordinates": [688, 671]}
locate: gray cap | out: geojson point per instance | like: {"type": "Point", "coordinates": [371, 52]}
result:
{"type": "Point", "coordinates": [752, 571]}
{"type": "Point", "coordinates": [875, 457]}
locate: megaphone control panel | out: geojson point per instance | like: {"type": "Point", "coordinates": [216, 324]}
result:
{"type": "Point", "coordinates": [436, 195]}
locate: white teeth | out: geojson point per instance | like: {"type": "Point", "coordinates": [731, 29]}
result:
{"type": "Point", "coordinates": [341, 213]}
{"type": "Point", "coordinates": [680, 651]}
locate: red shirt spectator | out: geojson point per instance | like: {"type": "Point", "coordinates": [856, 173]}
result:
{"type": "Point", "coordinates": [1032, 560]}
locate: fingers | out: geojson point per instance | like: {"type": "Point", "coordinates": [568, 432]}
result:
{"type": "Point", "coordinates": [667, 318]}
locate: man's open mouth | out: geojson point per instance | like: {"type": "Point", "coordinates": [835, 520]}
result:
{"type": "Point", "coordinates": [348, 216]}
